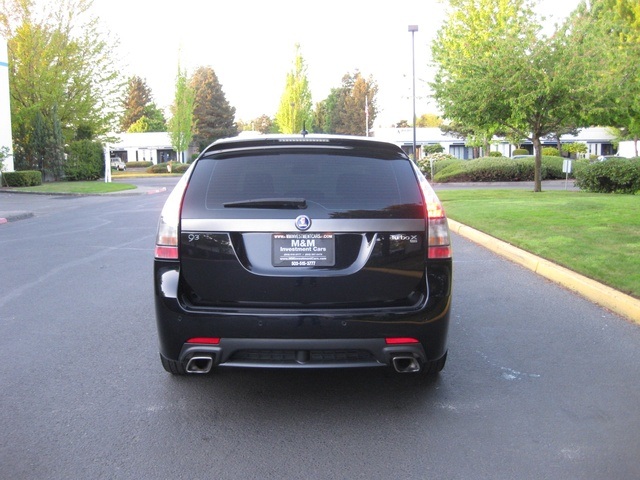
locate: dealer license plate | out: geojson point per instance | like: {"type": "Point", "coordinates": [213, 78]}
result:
{"type": "Point", "coordinates": [303, 250]}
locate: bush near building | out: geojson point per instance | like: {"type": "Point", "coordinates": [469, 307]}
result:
{"type": "Point", "coordinates": [176, 167]}
{"type": "Point", "coordinates": [495, 169]}
{"type": "Point", "coordinates": [23, 178]}
{"type": "Point", "coordinates": [85, 161]}
{"type": "Point", "coordinates": [615, 175]}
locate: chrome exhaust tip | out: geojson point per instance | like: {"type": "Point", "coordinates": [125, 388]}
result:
{"type": "Point", "coordinates": [199, 364]}
{"type": "Point", "coordinates": [406, 364]}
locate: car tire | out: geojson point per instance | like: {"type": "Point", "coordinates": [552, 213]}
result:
{"type": "Point", "coordinates": [173, 367]}
{"type": "Point", "coordinates": [434, 367]}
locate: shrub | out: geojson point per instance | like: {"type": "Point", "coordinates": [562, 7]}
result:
{"type": "Point", "coordinates": [424, 164]}
{"type": "Point", "coordinates": [442, 164]}
{"type": "Point", "coordinates": [24, 178]}
{"type": "Point", "coordinates": [85, 160]}
{"type": "Point", "coordinates": [162, 167]}
{"type": "Point", "coordinates": [521, 151]}
{"type": "Point", "coordinates": [610, 176]}
{"type": "Point", "coordinates": [432, 148]}
{"type": "Point", "coordinates": [550, 152]}
{"type": "Point", "coordinates": [553, 167]}
{"type": "Point", "coordinates": [139, 164]}
{"type": "Point", "coordinates": [495, 154]}
{"type": "Point", "coordinates": [454, 172]}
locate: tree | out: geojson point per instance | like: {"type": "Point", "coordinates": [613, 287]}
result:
{"type": "Point", "coordinates": [352, 108]}
{"type": "Point", "coordinates": [262, 124]}
{"type": "Point", "coordinates": [429, 120]}
{"type": "Point", "coordinates": [614, 27]}
{"type": "Point", "coordinates": [497, 72]}
{"type": "Point", "coordinates": [181, 124]}
{"type": "Point", "coordinates": [213, 115]}
{"type": "Point", "coordinates": [138, 104]}
{"type": "Point", "coordinates": [294, 113]}
{"type": "Point", "coordinates": [137, 98]}
{"type": "Point", "coordinates": [156, 122]}
{"type": "Point", "coordinates": [61, 68]}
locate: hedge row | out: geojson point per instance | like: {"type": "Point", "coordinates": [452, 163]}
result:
{"type": "Point", "coordinates": [616, 175]}
{"type": "Point", "coordinates": [139, 164]}
{"type": "Point", "coordinates": [162, 167]}
{"type": "Point", "coordinates": [495, 169]}
{"type": "Point", "coordinates": [24, 178]}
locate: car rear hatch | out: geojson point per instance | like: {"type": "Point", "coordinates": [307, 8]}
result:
{"type": "Point", "coordinates": [301, 227]}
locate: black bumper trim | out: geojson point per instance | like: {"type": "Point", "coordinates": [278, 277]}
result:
{"type": "Point", "coordinates": [302, 353]}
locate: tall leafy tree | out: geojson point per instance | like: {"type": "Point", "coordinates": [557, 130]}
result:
{"type": "Point", "coordinates": [214, 117]}
{"type": "Point", "coordinates": [614, 27]}
{"type": "Point", "coordinates": [295, 111]}
{"type": "Point", "coordinates": [429, 120]}
{"type": "Point", "coordinates": [497, 72]}
{"type": "Point", "coordinates": [181, 124]}
{"type": "Point", "coordinates": [61, 67]}
{"type": "Point", "coordinates": [350, 109]}
{"type": "Point", "coordinates": [262, 124]}
{"type": "Point", "coordinates": [140, 112]}
{"type": "Point", "coordinates": [136, 100]}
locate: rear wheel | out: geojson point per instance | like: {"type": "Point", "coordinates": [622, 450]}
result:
{"type": "Point", "coordinates": [435, 366]}
{"type": "Point", "coordinates": [172, 366]}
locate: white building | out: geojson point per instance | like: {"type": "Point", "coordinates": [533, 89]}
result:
{"type": "Point", "coordinates": [152, 147]}
{"type": "Point", "coordinates": [599, 141]}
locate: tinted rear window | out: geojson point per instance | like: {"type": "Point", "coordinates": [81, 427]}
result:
{"type": "Point", "coordinates": [336, 183]}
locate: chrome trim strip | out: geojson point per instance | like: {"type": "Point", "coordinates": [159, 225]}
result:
{"type": "Point", "coordinates": [288, 225]}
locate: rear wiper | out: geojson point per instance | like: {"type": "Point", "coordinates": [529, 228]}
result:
{"type": "Point", "coordinates": [283, 203]}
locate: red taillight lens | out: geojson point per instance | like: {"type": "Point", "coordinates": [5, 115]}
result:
{"type": "Point", "coordinates": [438, 228]}
{"type": "Point", "coordinates": [400, 340]}
{"type": "Point", "coordinates": [166, 253]}
{"type": "Point", "coordinates": [204, 340]}
{"type": "Point", "coordinates": [168, 225]}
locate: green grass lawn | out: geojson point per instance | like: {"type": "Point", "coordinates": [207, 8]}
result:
{"type": "Point", "coordinates": [78, 187]}
{"type": "Point", "coordinates": [597, 235]}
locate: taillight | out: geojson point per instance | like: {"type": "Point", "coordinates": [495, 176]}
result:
{"type": "Point", "coordinates": [439, 239]}
{"type": "Point", "coordinates": [400, 340]}
{"type": "Point", "coordinates": [205, 340]}
{"type": "Point", "coordinates": [169, 223]}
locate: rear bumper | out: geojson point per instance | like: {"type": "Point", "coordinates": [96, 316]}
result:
{"type": "Point", "coordinates": [302, 353]}
{"type": "Point", "coordinates": [302, 338]}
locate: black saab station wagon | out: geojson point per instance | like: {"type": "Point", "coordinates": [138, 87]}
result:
{"type": "Point", "coordinates": [302, 252]}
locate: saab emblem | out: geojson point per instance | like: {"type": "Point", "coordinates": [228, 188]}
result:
{"type": "Point", "coordinates": [303, 223]}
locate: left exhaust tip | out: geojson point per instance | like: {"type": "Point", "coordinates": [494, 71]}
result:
{"type": "Point", "coordinates": [199, 364]}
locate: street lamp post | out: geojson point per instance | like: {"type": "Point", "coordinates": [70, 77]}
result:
{"type": "Point", "coordinates": [413, 29]}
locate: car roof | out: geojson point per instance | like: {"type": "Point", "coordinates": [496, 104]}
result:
{"type": "Point", "coordinates": [309, 140]}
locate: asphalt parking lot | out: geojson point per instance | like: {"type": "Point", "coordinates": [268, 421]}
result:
{"type": "Point", "coordinates": [540, 383]}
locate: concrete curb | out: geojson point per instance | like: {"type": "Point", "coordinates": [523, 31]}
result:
{"type": "Point", "coordinates": [603, 295]}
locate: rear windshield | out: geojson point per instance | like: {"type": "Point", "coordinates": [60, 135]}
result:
{"type": "Point", "coordinates": [335, 183]}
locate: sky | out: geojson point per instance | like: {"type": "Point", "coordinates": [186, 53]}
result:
{"type": "Point", "coordinates": [251, 46]}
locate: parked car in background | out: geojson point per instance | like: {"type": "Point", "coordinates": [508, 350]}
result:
{"type": "Point", "coordinates": [118, 164]}
{"type": "Point", "coordinates": [603, 158]}
{"type": "Point", "coordinates": [302, 252]}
